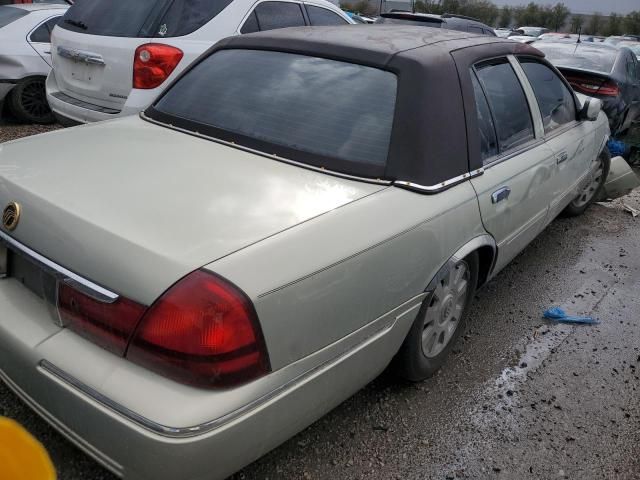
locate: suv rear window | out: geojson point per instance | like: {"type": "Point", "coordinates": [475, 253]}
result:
{"type": "Point", "coordinates": [141, 18]}
{"type": "Point", "coordinates": [312, 110]}
{"type": "Point", "coordinates": [10, 14]}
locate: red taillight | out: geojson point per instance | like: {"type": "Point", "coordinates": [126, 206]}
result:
{"type": "Point", "coordinates": [609, 89]}
{"type": "Point", "coordinates": [590, 86]}
{"type": "Point", "coordinates": [153, 64]}
{"type": "Point", "coordinates": [109, 325]}
{"type": "Point", "coordinates": [203, 331]}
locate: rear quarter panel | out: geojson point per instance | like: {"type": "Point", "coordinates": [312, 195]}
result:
{"type": "Point", "coordinates": [316, 283]}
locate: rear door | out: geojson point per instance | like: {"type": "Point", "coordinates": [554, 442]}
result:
{"type": "Point", "coordinates": [516, 188]}
{"type": "Point", "coordinates": [572, 141]}
{"type": "Point", "coordinates": [94, 46]}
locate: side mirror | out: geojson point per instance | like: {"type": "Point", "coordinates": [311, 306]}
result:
{"type": "Point", "coordinates": [591, 108]}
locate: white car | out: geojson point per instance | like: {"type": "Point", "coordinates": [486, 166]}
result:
{"type": "Point", "coordinates": [112, 58]}
{"type": "Point", "coordinates": [25, 60]}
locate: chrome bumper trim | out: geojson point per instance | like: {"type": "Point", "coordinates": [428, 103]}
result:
{"type": "Point", "coordinates": [76, 281]}
{"type": "Point", "coordinates": [185, 432]}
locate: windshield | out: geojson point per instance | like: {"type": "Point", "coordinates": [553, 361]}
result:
{"type": "Point", "coordinates": [10, 14]}
{"type": "Point", "coordinates": [313, 110]}
{"type": "Point", "coordinates": [141, 18]}
{"type": "Point", "coordinates": [580, 56]}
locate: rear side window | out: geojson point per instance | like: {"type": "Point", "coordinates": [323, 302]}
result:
{"type": "Point", "coordinates": [554, 98]}
{"type": "Point", "coordinates": [486, 128]}
{"type": "Point", "coordinates": [42, 34]}
{"type": "Point", "coordinates": [508, 103]}
{"type": "Point", "coordinates": [141, 18]}
{"type": "Point", "coordinates": [273, 15]}
{"type": "Point", "coordinates": [186, 16]}
{"type": "Point", "coordinates": [312, 110]}
{"type": "Point", "coordinates": [10, 14]}
{"type": "Point", "coordinates": [319, 16]}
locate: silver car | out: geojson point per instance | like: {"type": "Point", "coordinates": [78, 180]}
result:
{"type": "Point", "coordinates": [25, 58]}
{"type": "Point", "coordinates": [186, 289]}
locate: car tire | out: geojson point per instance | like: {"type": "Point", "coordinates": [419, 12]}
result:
{"type": "Point", "coordinates": [432, 335]}
{"type": "Point", "coordinates": [594, 190]}
{"type": "Point", "coordinates": [28, 101]}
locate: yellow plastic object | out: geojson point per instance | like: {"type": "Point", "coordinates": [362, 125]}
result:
{"type": "Point", "coordinates": [22, 457]}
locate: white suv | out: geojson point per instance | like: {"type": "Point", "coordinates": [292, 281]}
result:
{"type": "Point", "coordinates": [114, 57]}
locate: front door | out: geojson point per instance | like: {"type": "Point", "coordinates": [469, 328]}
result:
{"type": "Point", "coordinates": [572, 141]}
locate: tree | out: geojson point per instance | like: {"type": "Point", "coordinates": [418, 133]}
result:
{"type": "Point", "coordinates": [506, 13]}
{"type": "Point", "coordinates": [595, 25]}
{"type": "Point", "coordinates": [614, 26]}
{"type": "Point", "coordinates": [527, 16]}
{"type": "Point", "coordinates": [559, 14]}
{"type": "Point", "coordinates": [632, 23]}
{"type": "Point", "coordinates": [576, 23]}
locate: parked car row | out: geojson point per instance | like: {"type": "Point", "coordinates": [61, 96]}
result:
{"type": "Point", "coordinates": [184, 289]}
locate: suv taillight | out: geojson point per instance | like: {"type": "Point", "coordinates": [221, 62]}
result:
{"type": "Point", "coordinates": [204, 332]}
{"type": "Point", "coordinates": [153, 63]}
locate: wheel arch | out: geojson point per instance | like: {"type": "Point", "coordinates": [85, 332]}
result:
{"type": "Point", "coordinates": [487, 250]}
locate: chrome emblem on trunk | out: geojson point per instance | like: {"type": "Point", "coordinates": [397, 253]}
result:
{"type": "Point", "coordinates": [11, 216]}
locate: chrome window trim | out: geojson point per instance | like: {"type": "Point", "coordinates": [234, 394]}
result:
{"type": "Point", "coordinates": [520, 149]}
{"type": "Point", "coordinates": [86, 286]}
{"type": "Point", "coordinates": [376, 181]}
{"type": "Point", "coordinates": [534, 108]}
{"type": "Point", "coordinates": [440, 186]}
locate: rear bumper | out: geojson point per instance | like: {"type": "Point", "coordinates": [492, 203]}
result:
{"type": "Point", "coordinates": [78, 111]}
{"type": "Point", "coordinates": [121, 414]}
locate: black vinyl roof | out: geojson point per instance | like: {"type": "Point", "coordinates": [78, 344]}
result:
{"type": "Point", "coordinates": [429, 137]}
{"type": "Point", "coordinates": [370, 44]}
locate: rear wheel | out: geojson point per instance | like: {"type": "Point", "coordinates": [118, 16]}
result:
{"type": "Point", "coordinates": [595, 186]}
{"type": "Point", "coordinates": [28, 101]}
{"type": "Point", "coordinates": [439, 323]}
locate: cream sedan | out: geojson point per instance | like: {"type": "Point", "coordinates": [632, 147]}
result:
{"type": "Point", "coordinates": [186, 289]}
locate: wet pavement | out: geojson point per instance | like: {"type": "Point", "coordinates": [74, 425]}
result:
{"type": "Point", "coordinates": [520, 397]}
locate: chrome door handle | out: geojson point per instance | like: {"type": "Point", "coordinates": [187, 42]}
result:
{"type": "Point", "coordinates": [500, 194]}
{"type": "Point", "coordinates": [561, 157]}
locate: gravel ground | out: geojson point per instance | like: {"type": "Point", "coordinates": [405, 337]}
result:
{"type": "Point", "coordinates": [519, 398]}
{"type": "Point", "coordinates": [12, 131]}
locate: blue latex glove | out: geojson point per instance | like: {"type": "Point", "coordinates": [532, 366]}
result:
{"type": "Point", "coordinates": [559, 315]}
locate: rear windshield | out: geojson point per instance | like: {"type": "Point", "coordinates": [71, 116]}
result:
{"type": "Point", "coordinates": [409, 21]}
{"type": "Point", "coordinates": [313, 110]}
{"type": "Point", "coordinates": [580, 56]}
{"type": "Point", "coordinates": [10, 14]}
{"type": "Point", "coordinates": [141, 18]}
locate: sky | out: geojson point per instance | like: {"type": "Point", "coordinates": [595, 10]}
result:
{"type": "Point", "coordinates": [584, 6]}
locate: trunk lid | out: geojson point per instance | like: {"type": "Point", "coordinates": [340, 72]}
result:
{"type": "Point", "coordinates": [94, 69]}
{"type": "Point", "coordinates": [134, 207]}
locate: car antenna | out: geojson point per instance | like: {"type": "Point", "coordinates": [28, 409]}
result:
{"type": "Point", "coordinates": [579, 35]}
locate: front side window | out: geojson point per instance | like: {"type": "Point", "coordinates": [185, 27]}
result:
{"type": "Point", "coordinates": [312, 110]}
{"type": "Point", "coordinates": [555, 100]}
{"type": "Point", "coordinates": [10, 14]}
{"type": "Point", "coordinates": [508, 103]}
{"type": "Point", "coordinates": [486, 128]}
{"type": "Point", "coordinates": [321, 17]}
